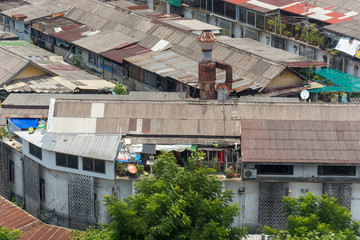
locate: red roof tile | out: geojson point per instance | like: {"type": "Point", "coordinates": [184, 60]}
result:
{"type": "Point", "coordinates": [268, 141]}
{"type": "Point", "coordinates": [12, 216]}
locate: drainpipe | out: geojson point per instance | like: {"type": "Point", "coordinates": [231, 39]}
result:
{"type": "Point", "coordinates": [228, 69]}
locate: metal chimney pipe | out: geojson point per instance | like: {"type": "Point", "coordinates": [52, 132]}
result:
{"type": "Point", "coordinates": [207, 68]}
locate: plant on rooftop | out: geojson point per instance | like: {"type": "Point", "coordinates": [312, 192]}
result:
{"type": "Point", "coordinates": [9, 234]}
{"type": "Point", "coordinates": [313, 217]}
{"type": "Point", "coordinates": [120, 89]}
{"type": "Point", "coordinates": [175, 203]}
{"type": "Point", "coordinates": [270, 24]}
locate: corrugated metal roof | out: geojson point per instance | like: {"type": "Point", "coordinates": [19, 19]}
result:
{"type": "Point", "coordinates": [23, 113]}
{"type": "Point", "coordinates": [321, 142]}
{"type": "Point", "coordinates": [44, 83]}
{"type": "Point", "coordinates": [72, 34]}
{"type": "Point", "coordinates": [192, 24]}
{"type": "Point", "coordinates": [117, 55]}
{"type": "Point", "coordinates": [10, 65]}
{"type": "Point", "coordinates": [103, 147]}
{"type": "Point", "coordinates": [169, 64]}
{"type": "Point", "coordinates": [104, 41]}
{"type": "Point", "coordinates": [69, 77]}
{"type": "Point", "coordinates": [12, 216]}
{"type": "Point", "coordinates": [36, 10]}
{"type": "Point", "coordinates": [350, 29]}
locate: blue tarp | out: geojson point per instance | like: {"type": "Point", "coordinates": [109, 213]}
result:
{"type": "Point", "coordinates": [25, 123]}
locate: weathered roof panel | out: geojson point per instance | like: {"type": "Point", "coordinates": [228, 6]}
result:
{"type": "Point", "coordinates": [325, 142]}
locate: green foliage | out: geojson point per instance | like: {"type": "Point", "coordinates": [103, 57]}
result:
{"type": "Point", "coordinates": [9, 234]}
{"type": "Point", "coordinates": [224, 31]}
{"type": "Point", "coordinates": [76, 60]}
{"type": "Point", "coordinates": [313, 217]}
{"type": "Point", "coordinates": [4, 133]}
{"type": "Point", "coordinates": [120, 89]}
{"type": "Point", "coordinates": [271, 24]}
{"type": "Point", "coordinates": [175, 203]}
{"type": "Point", "coordinates": [92, 233]}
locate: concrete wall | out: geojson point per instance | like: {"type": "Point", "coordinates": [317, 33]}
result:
{"type": "Point", "coordinates": [49, 161]}
{"type": "Point", "coordinates": [235, 185]}
{"type": "Point", "coordinates": [56, 193]}
{"type": "Point", "coordinates": [251, 206]}
{"type": "Point", "coordinates": [265, 38]}
{"type": "Point", "coordinates": [17, 187]}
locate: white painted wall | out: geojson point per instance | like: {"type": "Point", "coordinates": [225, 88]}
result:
{"type": "Point", "coordinates": [237, 199]}
{"type": "Point", "coordinates": [17, 187]}
{"type": "Point", "coordinates": [302, 188]}
{"type": "Point", "coordinates": [251, 205]}
{"type": "Point", "coordinates": [49, 161]}
{"type": "Point", "coordinates": [236, 30]}
{"type": "Point", "coordinates": [187, 13]}
{"type": "Point", "coordinates": [120, 187]}
{"type": "Point", "coordinates": [56, 191]}
{"type": "Point", "coordinates": [265, 38]}
{"type": "Point", "coordinates": [355, 201]}
{"type": "Point", "coordinates": [292, 46]}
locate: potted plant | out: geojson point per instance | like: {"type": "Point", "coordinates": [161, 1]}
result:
{"type": "Point", "coordinates": [121, 169]}
{"type": "Point", "coordinates": [229, 173]}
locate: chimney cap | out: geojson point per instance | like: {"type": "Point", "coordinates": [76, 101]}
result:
{"type": "Point", "coordinates": [206, 40]}
{"type": "Point", "coordinates": [18, 16]}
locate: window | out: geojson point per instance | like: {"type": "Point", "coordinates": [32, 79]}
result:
{"type": "Point", "coordinates": [93, 165]}
{"type": "Point", "coordinates": [42, 189]}
{"type": "Point", "coordinates": [275, 169]}
{"type": "Point", "coordinates": [11, 171]}
{"type": "Point", "coordinates": [35, 151]}
{"type": "Point", "coordinates": [65, 160]}
{"type": "Point", "coordinates": [251, 18]}
{"type": "Point", "coordinates": [242, 15]}
{"type": "Point", "coordinates": [356, 70]}
{"type": "Point", "coordinates": [337, 170]}
{"type": "Point", "coordinates": [93, 58]}
{"type": "Point", "coordinates": [260, 21]}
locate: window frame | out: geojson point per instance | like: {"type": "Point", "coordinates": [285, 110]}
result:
{"type": "Point", "coordinates": [67, 160]}
{"type": "Point", "coordinates": [288, 172]}
{"type": "Point", "coordinates": [93, 164]}
{"type": "Point", "coordinates": [93, 58]}
{"type": "Point", "coordinates": [324, 170]}
{"type": "Point", "coordinates": [35, 151]}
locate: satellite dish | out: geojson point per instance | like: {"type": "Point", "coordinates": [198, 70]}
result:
{"type": "Point", "coordinates": [132, 169]}
{"type": "Point", "coordinates": [304, 94]}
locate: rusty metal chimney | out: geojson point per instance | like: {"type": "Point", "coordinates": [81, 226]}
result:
{"type": "Point", "coordinates": [207, 68]}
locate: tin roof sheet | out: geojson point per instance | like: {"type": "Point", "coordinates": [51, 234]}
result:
{"type": "Point", "coordinates": [103, 147]}
{"type": "Point", "coordinates": [321, 142]}
{"type": "Point", "coordinates": [170, 64]}
{"type": "Point", "coordinates": [36, 10]}
{"type": "Point", "coordinates": [104, 41]}
{"type": "Point", "coordinates": [72, 34]}
{"type": "Point", "coordinates": [12, 216]}
{"type": "Point", "coordinates": [10, 65]}
{"type": "Point", "coordinates": [118, 54]}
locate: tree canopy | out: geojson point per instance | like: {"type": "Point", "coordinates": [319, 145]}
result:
{"type": "Point", "coordinates": [313, 217]}
{"type": "Point", "coordinates": [9, 234]}
{"type": "Point", "coordinates": [175, 203]}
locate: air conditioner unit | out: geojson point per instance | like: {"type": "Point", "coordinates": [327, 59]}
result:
{"type": "Point", "coordinates": [249, 173]}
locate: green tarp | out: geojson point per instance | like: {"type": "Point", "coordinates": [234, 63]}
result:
{"type": "Point", "coordinates": [175, 3]}
{"type": "Point", "coordinates": [345, 82]}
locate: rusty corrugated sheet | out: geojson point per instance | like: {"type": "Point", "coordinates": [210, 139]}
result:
{"type": "Point", "coordinates": [305, 64]}
{"type": "Point", "coordinates": [71, 35]}
{"type": "Point", "coordinates": [23, 113]}
{"type": "Point", "coordinates": [12, 216]}
{"type": "Point", "coordinates": [117, 55]}
{"type": "Point", "coordinates": [296, 141]}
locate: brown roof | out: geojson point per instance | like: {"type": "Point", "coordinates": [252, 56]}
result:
{"type": "Point", "coordinates": [23, 113]}
{"type": "Point", "coordinates": [12, 216]}
{"type": "Point", "coordinates": [321, 142]}
{"type": "Point", "coordinates": [118, 54]}
{"type": "Point", "coordinates": [71, 35]}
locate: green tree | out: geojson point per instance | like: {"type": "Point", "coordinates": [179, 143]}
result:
{"type": "Point", "coordinates": [175, 203]}
{"type": "Point", "coordinates": [120, 89]}
{"type": "Point", "coordinates": [8, 234]}
{"type": "Point", "coordinates": [313, 217]}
